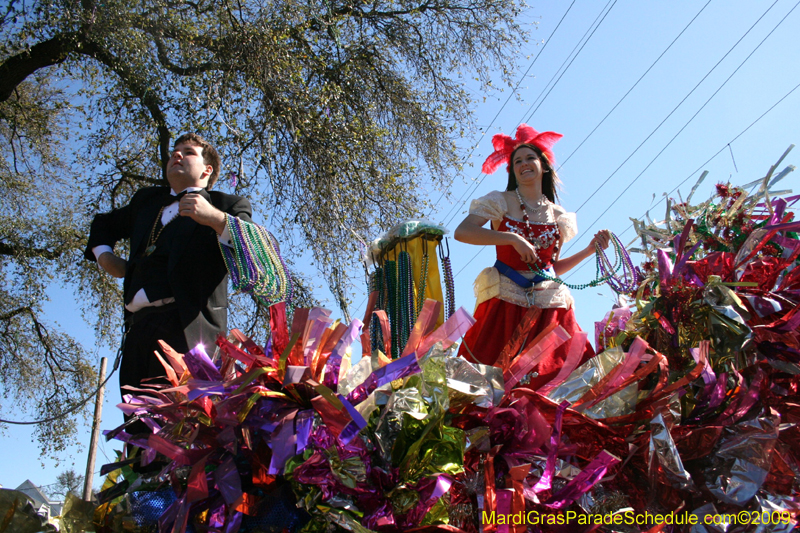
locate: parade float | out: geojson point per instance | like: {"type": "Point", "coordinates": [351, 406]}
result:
{"type": "Point", "coordinates": [686, 419]}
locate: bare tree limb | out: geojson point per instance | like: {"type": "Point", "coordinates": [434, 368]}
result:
{"type": "Point", "coordinates": [15, 69]}
{"type": "Point", "coordinates": [140, 90]}
{"type": "Point", "coordinates": [16, 251]}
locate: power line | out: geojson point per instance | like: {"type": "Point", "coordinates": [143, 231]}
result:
{"type": "Point", "coordinates": [557, 77]}
{"type": "Point", "coordinates": [581, 44]}
{"type": "Point", "coordinates": [675, 109]}
{"type": "Point", "coordinates": [82, 402]}
{"type": "Point", "coordinates": [699, 83]}
{"type": "Point", "coordinates": [475, 145]}
{"type": "Point", "coordinates": [481, 249]}
{"type": "Point", "coordinates": [634, 86]}
{"type": "Point", "coordinates": [617, 104]}
{"type": "Point", "coordinates": [596, 25]}
{"type": "Point", "coordinates": [696, 113]}
{"type": "Point", "coordinates": [765, 113]}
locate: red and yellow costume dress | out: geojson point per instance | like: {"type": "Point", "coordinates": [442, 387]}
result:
{"type": "Point", "coordinates": [501, 303]}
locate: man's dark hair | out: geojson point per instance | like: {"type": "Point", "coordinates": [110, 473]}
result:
{"type": "Point", "coordinates": [210, 154]}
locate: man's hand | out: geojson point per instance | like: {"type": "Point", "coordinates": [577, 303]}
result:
{"type": "Point", "coordinates": [201, 211]}
{"type": "Point", "coordinates": [112, 264]}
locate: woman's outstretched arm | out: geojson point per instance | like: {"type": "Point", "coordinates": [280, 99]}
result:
{"type": "Point", "coordinates": [601, 238]}
{"type": "Point", "coordinates": [471, 231]}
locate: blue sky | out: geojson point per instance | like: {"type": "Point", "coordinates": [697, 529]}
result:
{"type": "Point", "coordinates": [673, 113]}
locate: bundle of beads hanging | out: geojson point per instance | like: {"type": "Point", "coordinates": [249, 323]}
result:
{"type": "Point", "coordinates": [400, 297]}
{"type": "Point", "coordinates": [255, 264]}
{"type": "Point", "coordinates": [405, 291]}
{"type": "Point", "coordinates": [393, 307]}
{"type": "Point", "coordinates": [450, 286]}
{"type": "Point", "coordinates": [377, 281]}
{"type": "Point", "coordinates": [605, 271]}
{"type": "Point", "coordinates": [403, 283]}
{"type": "Point", "coordinates": [423, 284]}
{"type": "Point", "coordinates": [628, 281]}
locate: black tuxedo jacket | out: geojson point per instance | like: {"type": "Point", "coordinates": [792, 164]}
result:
{"type": "Point", "coordinates": [196, 271]}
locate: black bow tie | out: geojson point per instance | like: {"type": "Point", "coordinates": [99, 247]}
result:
{"type": "Point", "coordinates": [170, 199]}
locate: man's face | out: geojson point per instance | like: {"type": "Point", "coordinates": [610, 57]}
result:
{"type": "Point", "coordinates": [186, 167]}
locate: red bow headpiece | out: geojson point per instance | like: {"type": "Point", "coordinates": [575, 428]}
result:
{"type": "Point", "coordinates": [505, 145]}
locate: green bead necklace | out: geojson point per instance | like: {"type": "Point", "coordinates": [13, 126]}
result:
{"type": "Point", "coordinates": [600, 260]}
{"type": "Point", "coordinates": [423, 281]}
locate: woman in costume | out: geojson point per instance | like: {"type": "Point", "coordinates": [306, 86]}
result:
{"type": "Point", "coordinates": [529, 230]}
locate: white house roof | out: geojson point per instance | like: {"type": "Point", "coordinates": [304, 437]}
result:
{"type": "Point", "coordinates": [33, 492]}
{"type": "Point", "coordinates": [43, 505]}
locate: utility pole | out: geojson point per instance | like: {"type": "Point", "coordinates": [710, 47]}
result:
{"type": "Point", "coordinates": [98, 412]}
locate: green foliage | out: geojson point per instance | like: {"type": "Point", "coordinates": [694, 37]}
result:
{"type": "Point", "coordinates": [337, 116]}
{"type": "Point", "coordinates": [67, 481]}
{"type": "Point", "coordinates": [43, 371]}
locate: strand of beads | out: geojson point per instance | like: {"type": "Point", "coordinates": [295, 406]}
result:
{"type": "Point", "coordinates": [599, 280]}
{"type": "Point", "coordinates": [605, 271]}
{"type": "Point", "coordinates": [525, 217]}
{"type": "Point", "coordinates": [450, 286]}
{"type": "Point", "coordinates": [287, 277]}
{"type": "Point", "coordinates": [392, 304]}
{"type": "Point", "coordinates": [375, 332]}
{"type": "Point", "coordinates": [628, 281]}
{"type": "Point", "coordinates": [410, 292]}
{"type": "Point", "coordinates": [405, 292]}
{"type": "Point", "coordinates": [380, 287]}
{"type": "Point", "coordinates": [423, 285]}
{"type": "Point", "coordinates": [255, 264]}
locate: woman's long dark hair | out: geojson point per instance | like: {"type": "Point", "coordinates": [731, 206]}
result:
{"type": "Point", "coordinates": [550, 181]}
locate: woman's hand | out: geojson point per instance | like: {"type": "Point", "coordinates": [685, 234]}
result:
{"type": "Point", "coordinates": [526, 251]}
{"type": "Point", "coordinates": [601, 239]}
{"type": "Point", "coordinates": [471, 231]}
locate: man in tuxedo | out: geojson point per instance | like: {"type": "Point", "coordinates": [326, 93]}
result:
{"type": "Point", "coordinates": [175, 279]}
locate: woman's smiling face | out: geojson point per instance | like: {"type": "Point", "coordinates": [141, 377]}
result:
{"type": "Point", "coordinates": [527, 165]}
